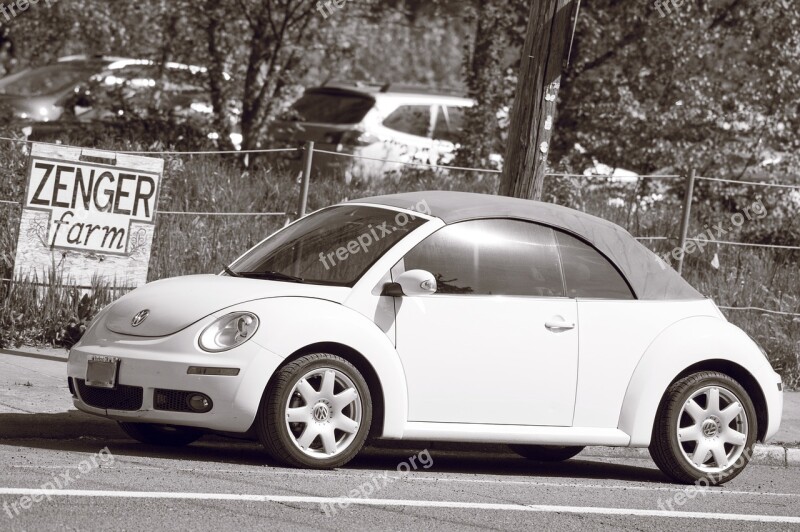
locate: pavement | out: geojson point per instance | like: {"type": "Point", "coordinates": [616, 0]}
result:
{"type": "Point", "coordinates": [66, 470]}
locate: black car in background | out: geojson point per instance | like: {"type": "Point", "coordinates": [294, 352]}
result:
{"type": "Point", "coordinates": [93, 92]}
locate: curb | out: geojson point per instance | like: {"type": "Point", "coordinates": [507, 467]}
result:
{"type": "Point", "coordinates": [70, 425]}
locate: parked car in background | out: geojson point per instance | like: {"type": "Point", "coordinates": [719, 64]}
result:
{"type": "Point", "coordinates": [385, 124]}
{"type": "Point", "coordinates": [83, 90]}
{"type": "Point", "coordinates": [436, 316]}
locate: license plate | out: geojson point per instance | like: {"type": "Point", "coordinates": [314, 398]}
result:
{"type": "Point", "coordinates": [101, 372]}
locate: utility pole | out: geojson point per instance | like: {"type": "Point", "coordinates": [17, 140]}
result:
{"type": "Point", "coordinates": [551, 25]}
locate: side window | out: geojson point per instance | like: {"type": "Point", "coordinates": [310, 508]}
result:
{"type": "Point", "coordinates": [491, 257]}
{"type": "Point", "coordinates": [449, 123]}
{"type": "Point", "coordinates": [411, 119]}
{"type": "Point", "coordinates": [589, 274]}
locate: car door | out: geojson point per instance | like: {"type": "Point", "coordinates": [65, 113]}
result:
{"type": "Point", "coordinates": [498, 342]}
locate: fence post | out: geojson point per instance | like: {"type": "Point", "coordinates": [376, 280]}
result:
{"type": "Point", "coordinates": [308, 159]}
{"type": "Point", "coordinates": [687, 213]}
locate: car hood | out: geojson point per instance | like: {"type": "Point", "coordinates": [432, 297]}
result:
{"type": "Point", "coordinates": [176, 303]}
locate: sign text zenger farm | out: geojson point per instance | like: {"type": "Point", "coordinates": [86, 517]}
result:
{"type": "Point", "coordinates": [91, 205]}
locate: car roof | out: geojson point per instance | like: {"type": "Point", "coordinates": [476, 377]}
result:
{"type": "Point", "coordinates": [648, 275]}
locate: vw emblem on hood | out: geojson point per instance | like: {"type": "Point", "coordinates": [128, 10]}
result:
{"type": "Point", "coordinates": [140, 317]}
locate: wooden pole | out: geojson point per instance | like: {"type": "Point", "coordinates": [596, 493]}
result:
{"type": "Point", "coordinates": [687, 213]}
{"type": "Point", "coordinates": [550, 28]}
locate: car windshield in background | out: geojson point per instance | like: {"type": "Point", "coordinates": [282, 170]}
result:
{"type": "Point", "coordinates": [334, 246]}
{"type": "Point", "coordinates": [332, 107]}
{"type": "Point", "coordinates": [41, 81]}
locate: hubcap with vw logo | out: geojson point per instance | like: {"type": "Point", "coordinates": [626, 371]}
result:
{"type": "Point", "coordinates": [321, 412]}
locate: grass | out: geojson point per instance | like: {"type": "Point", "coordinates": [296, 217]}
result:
{"type": "Point", "coordinates": [189, 244]}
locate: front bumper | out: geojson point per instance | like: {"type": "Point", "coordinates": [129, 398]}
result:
{"type": "Point", "coordinates": [162, 363]}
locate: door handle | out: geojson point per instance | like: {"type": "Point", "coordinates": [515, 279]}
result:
{"type": "Point", "coordinates": [554, 324]}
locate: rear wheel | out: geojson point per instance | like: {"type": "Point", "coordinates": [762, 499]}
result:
{"type": "Point", "coordinates": [547, 453]}
{"type": "Point", "coordinates": [316, 414]}
{"type": "Point", "coordinates": [705, 428]}
{"type": "Point", "coordinates": [166, 435]}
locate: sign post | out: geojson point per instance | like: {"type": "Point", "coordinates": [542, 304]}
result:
{"type": "Point", "coordinates": [89, 214]}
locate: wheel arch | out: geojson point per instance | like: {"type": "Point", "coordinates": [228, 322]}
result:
{"type": "Point", "coordinates": [687, 346]}
{"type": "Point", "coordinates": [334, 328]}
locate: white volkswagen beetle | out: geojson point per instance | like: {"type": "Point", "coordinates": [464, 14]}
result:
{"type": "Point", "coordinates": [436, 316]}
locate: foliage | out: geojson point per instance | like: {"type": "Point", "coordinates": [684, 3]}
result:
{"type": "Point", "coordinates": [46, 310]}
{"type": "Point", "coordinates": [708, 85]}
{"type": "Point", "coordinates": [490, 81]}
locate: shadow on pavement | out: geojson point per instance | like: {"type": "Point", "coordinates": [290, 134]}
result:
{"type": "Point", "coordinates": [78, 432]}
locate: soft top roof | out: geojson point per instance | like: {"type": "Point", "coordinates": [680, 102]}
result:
{"type": "Point", "coordinates": [649, 276]}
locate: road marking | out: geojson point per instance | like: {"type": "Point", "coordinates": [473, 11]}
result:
{"type": "Point", "coordinates": [412, 478]}
{"type": "Point", "coordinates": [343, 502]}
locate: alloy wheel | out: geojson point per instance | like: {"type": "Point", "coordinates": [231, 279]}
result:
{"type": "Point", "coordinates": [712, 429]}
{"type": "Point", "coordinates": [323, 413]}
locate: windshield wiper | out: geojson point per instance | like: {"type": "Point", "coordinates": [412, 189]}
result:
{"type": "Point", "coordinates": [231, 272]}
{"type": "Point", "coordinates": [278, 276]}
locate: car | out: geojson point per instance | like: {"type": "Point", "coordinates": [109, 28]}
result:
{"type": "Point", "coordinates": [82, 90]}
{"type": "Point", "coordinates": [374, 128]}
{"type": "Point", "coordinates": [436, 316]}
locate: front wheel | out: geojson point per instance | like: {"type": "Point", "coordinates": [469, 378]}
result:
{"type": "Point", "coordinates": [316, 413]}
{"type": "Point", "coordinates": [166, 435]}
{"type": "Point", "coordinates": [546, 453]}
{"type": "Point", "coordinates": [705, 428]}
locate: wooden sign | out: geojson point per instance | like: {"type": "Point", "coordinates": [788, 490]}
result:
{"type": "Point", "coordinates": [89, 213]}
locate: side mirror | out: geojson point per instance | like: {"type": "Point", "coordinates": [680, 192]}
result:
{"type": "Point", "coordinates": [412, 283]}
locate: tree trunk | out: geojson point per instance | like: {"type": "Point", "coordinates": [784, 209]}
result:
{"type": "Point", "coordinates": [533, 114]}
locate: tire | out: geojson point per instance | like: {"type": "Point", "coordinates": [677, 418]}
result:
{"type": "Point", "coordinates": [547, 453]}
{"type": "Point", "coordinates": [708, 413]}
{"type": "Point", "coordinates": [305, 419]}
{"type": "Point", "coordinates": [165, 435]}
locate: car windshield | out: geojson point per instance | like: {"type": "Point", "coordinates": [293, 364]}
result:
{"type": "Point", "coordinates": [41, 81]}
{"type": "Point", "coordinates": [332, 107]}
{"type": "Point", "coordinates": [335, 246]}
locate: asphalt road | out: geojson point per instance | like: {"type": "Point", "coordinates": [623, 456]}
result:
{"type": "Point", "coordinates": [219, 484]}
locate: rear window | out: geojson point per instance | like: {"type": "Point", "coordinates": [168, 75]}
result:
{"type": "Point", "coordinates": [587, 273]}
{"type": "Point", "coordinates": [332, 107]}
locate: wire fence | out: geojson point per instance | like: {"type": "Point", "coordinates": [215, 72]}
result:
{"type": "Point", "coordinates": [309, 150]}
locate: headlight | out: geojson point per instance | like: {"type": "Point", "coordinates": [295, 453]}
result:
{"type": "Point", "coordinates": [228, 332]}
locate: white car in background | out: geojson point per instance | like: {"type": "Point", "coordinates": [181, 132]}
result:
{"type": "Point", "coordinates": [381, 126]}
{"type": "Point", "coordinates": [436, 316]}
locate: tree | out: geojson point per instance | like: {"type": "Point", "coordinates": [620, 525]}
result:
{"type": "Point", "coordinates": [490, 81]}
{"type": "Point", "coordinates": [533, 113]}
